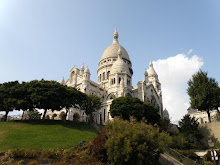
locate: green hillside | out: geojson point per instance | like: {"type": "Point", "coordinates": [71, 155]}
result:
{"type": "Point", "coordinates": [43, 134]}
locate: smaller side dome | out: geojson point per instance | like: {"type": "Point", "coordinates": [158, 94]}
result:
{"type": "Point", "coordinates": [119, 65]}
{"type": "Point", "coordinates": [87, 70]}
{"type": "Point", "coordinates": [146, 73]}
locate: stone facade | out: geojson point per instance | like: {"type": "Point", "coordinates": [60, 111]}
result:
{"type": "Point", "coordinates": [202, 116]}
{"type": "Point", "coordinates": [114, 75]}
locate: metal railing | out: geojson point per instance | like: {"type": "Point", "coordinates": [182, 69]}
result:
{"type": "Point", "coordinates": [181, 158]}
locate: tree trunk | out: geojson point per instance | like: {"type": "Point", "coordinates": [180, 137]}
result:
{"type": "Point", "coordinates": [209, 117]}
{"type": "Point", "coordinates": [45, 111]}
{"type": "Point", "coordinates": [22, 116]}
{"type": "Point", "coordinates": [67, 110]}
{"type": "Point", "coordinates": [6, 115]}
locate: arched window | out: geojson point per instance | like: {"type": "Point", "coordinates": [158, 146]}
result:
{"type": "Point", "coordinates": [128, 81]}
{"type": "Point", "coordinates": [114, 81]}
{"type": "Point", "coordinates": [103, 77]}
{"type": "Point", "coordinates": [108, 73]}
{"type": "Point", "coordinates": [100, 77]}
{"type": "Point", "coordinates": [119, 80]}
{"type": "Point", "coordinates": [104, 115]}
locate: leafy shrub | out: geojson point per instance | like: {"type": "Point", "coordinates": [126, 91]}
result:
{"type": "Point", "coordinates": [97, 147]}
{"type": "Point", "coordinates": [51, 154]}
{"type": "Point", "coordinates": [33, 162]}
{"type": "Point", "coordinates": [179, 141]}
{"type": "Point", "coordinates": [207, 163]}
{"type": "Point", "coordinates": [68, 153]}
{"type": "Point", "coordinates": [22, 153]}
{"type": "Point", "coordinates": [33, 115]}
{"type": "Point", "coordinates": [134, 142]}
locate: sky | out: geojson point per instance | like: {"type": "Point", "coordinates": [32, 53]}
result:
{"type": "Point", "coordinates": [45, 39]}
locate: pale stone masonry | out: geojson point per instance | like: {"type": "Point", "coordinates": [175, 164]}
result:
{"type": "Point", "coordinates": [114, 75]}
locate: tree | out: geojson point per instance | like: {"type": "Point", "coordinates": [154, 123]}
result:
{"type": "Point", "coordinates": [189, 127]}
{"type": "Point", "coordinates": [134, 142]}
{"type": "Point", "coordinates": [204, 92]}
{"type": "Point", "coordinates": [12, 97]}
{"type": "Point", "coordinates": [73, 98]}
{"type": "Point", "coordinates": [48, 95]}
{"type": "Point", "coordinates": [125, 107]}
{"type": "Point", "coordinates": [91, 104]}
{"type": "Point", "coordinates": [42, 95]}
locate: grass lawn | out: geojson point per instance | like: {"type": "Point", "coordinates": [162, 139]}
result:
{"type": "Point", "coordinates": [43, 134]}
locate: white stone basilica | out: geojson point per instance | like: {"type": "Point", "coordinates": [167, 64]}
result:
{"type": "Point", "coordinates": [114, 80]}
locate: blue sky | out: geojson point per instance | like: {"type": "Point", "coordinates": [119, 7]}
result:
{"type": "Point", "coordinates": [44, 39]}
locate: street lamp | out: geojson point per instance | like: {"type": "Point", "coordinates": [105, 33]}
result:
{"type": "Point", "coordinates": [213, 152]}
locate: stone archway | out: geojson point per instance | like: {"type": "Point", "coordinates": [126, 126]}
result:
{"type": "Point", "coordinates": [47, 117]}
{"type": "Point", "coordinates": [76, 117]}
{"type": "Point", "coordinates": [54, 116]}
{"type": "Point", "coordinates": [62, 116]}
{"type": "Point", "coordinates": [111, 96]}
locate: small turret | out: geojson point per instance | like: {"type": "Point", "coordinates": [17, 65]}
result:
{"type": "Point", "coordinates": [62, 81]}
{"type": "Point", "coordinates": [146, 76]}
{"type": "Point", "coordinates": [86, 74]}
{"type": "Point", "coordinates": [73, 70]}
{"type": "Point", "coordinates": [82, 70]}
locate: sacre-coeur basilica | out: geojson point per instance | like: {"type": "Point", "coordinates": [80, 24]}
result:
{"type": "Point", "coordinates": [114, 75]}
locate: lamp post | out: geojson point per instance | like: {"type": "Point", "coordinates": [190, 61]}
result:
{"type": "Point", "coordinates": [213, 152]}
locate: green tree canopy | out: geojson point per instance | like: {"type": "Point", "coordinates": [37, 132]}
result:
{"type": "Point", "coordinates": [12, 96]}
{"type": "Point", "coordinates": [39, 94]}
{"type": "Point", "coordinates": [125, 107]}
{"type": "Point", "coordinates": [204, 92]}
{"type": "Point", "coordinates": [134, 142]}
{"type": "Point", "coordinates": [52, 95]}
{"type": "Point", "coordinates": [91, 104]}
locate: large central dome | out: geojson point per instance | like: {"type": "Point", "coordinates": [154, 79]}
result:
{"type": "Point", "coordinates": [112, 50]}
{"type": "Point", "coordinates": [110, 58]}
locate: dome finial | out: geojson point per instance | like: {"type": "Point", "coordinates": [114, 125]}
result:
{"type": "Point", "coordinates": [150, 64]}
{"type": "Point", "coordinates": [115, 36]}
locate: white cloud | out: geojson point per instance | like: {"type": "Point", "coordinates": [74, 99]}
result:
{"type": "Point", "coordinates": [174, 73]}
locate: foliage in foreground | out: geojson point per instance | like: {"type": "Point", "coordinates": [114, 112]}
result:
{"type": "Point", "coordinates": [134, 142]}
{"type": "Point", "coordinates": [190, 135]}
{"type": "Point", "coordinates": [47, 156]}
